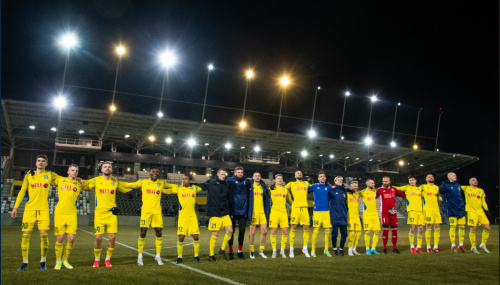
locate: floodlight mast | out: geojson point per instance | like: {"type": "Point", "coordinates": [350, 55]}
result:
{"type": "Point", "coordinates": [284, 83]}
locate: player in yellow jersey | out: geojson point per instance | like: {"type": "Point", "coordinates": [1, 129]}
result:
{"type": "Point", "coordinates": [474, 204]}
{"type": "Point", "coordinates": [371, 220]}
{"type": "Point", "coordinates": [430, 196]}
{"type": "Point", "coordinates": [415, 215]}
{"type": "Point", "coordinates": [353, 220]}
{"type": "Point", "coordinates": [65, 219]}
{"type": "Point", "coordinates": [36, 210]}
{"type": "Point", "coordinates": [105, 211]}
{"type": "Point", "coordinates": [151, 189]}
{"type": "Point", "coordinates": [258, 212]}
{"type": "Point", "coordinates": [300, 211]}
{"type": "Point", "coordinates": [279, 216]}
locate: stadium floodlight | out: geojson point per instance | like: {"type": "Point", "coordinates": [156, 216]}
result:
{"type": "Point", "coordinates": [249, 74]}
{"type": "Point", "coordinates": [256, 148]}
{"type": "Point", "coordinates": [120, 50]}
{"type": "Point", "coordinates": [168, 140]}
{"type": "Point", "coordinates": [373, 98]}
{"type": "Point", "coordinates": [68, 41]}
{"type": "Point", "coordinates": [304, 153]}
{"type": "Point", "coordinates": [60, 102]}
{"type": "Point", "coordinates": [415, 146]}
{"type": "Point", "coordinates": [242, 147]}
{"type": "Point", "coordinates": [319, 87]}
{"type": "Point", "coordinates": [81, 131]}
{"type": "Point", "coordinates": [127, 136]}
{"type": "Point", "coordinates": [207, 144]}
{"type": "Point", "coordinates": [311, 133]}
{"type": "Point", "coordinates": [191, 142]}
{"type": "Point", "coordinates": [160, 114]}
{"type": "Point", "coordinates": [285, 81]}
{"type": "Point", "coordinates": [151, 138]}
{"type": "Point", "coordinates": [347, 93]}
{"type": "Point", "coordinates": [437, 149]}
{"type": "Point", "coordinates": [53, 129]}
{"type": "Point", "coordinates": [342, 137]}
{"type": "Point", "coordinates": [243, 124]}
{"type": "Point", "coordinates": [332, 156]}
{"type": "Point", "coordinates": [393, 144]}
{"type": "Point", "coordinates": [368, 140]}
{"type": "Point", "coordinates": [228, 146]}
{"type": "Point", "coordinates": [401, 163]}
{"type": "Point", "coordinates": [210, 66]}
{"type": "Point", "coordinates": [167, 59]}
{"type": "Point", "coordinates": [32, 127]}
{"type": "Point", "coordinates": [112, 108]}
{"type": "Point", "coordinates": [321, 155]}
{"type": "Point", "coordinates": [421, 165]}
{"type": "Point", "coordinates": [399, 104]}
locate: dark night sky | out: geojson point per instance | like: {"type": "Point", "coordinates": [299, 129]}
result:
{"type": "Point", "coordinates": [425, 54]}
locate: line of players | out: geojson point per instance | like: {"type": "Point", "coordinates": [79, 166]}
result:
{"type": "Point", "coordinates": [242, 200]}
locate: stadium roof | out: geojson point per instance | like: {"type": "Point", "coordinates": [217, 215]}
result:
{"type": "Point", "coordinates": [99, 126]}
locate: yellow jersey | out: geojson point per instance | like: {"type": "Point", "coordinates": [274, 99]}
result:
{"type": "Point", "coordinates": [105, 191]}
{"type": "Point", "coordinates": [38, 186]}
{"type": "Point", "coordinates": [369, 201]}
{"type": "Point", "coordinates": [258, 199]}
{"type": "Point", "coordinates": [474, 199]}
{"type": "Point", "coordinates": [299, 190]}
{"type": "Point", "coordinates": [151, 193]}
{"type": "Point", "coordinates": [413, 197]}
{"type": "Point", "coordinates": [68, 191]}
{"type": "Point", "coordinates": [187, 199]}
{"type": "Point", "coordinates": [278, 198]}
{"type": "Point", "coordinates": [353, 204]}
{"type": "Point", "coordinates": [430, 195]}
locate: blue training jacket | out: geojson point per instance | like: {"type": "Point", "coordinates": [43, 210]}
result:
{"type": "Point", "coordinates": [453, 202]}
{"type": "Point", "coordinates": [238, 195]}
{"type": "Point", "coordinates": [321, 196]}
{"type": "Point", "coordinates": [266, 197]}
{"type": "Point", "coordinates": [338, 205]}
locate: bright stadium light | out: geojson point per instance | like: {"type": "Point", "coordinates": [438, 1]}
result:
{"type": "Point", "coordinates": [311, 133]}
{"type": "Point", "coordinates": [373, 98]}
{"type": "Point", "coordinates": [304, 153]}
{"type": "Point", "coordinates": [401, 163]}
{"type": "Point", "coordinates": [210, 66]}
{"type": "Point", "coordinates": [285, 81]}
{"type": "Point", "coordinates": [393, 144]}
{"type": "Point", "coordinates": [151, 138]}
{"type": "Point", "coordinates": [249, 74]}
{"type": "Point", "coordinates": [319, 87]}
{"type": "Point", "coordinates": [120, 50]}
{"type": "Point", "coordinates": [168, 140]}
{"type": "Point", "coordinates": [399, 104]}
{"type": "Point", "coordinates": [332, 156]}
{"type": "Point", "coordinates": [127, 136]}
{"type": "Point", "coordinates": [60, 102]}
{"type": "Point", "coordinates": [53, 129]}
{"type": "Point", "coordinates": [207, 144]}
{"type": "Point", "coordinates": [81, 131]}
{"type": "Point", "coordinates": [191, 142]}
{"type": "Point", "coordinates": [321, 155]}
{"type": "Point", "coordinates": [167, 59]}
{"type": "Point", "coordinates": [160, 114]}
{"type": "Point", "coordinates": [256, 148]}
{"type": "Point", "coordinates": [32, 127]}
{"type": "Point", "coordinates": [112, 108]}
{"type": "Point", "coordinates": [68, 41]}
{"type": "Point", "coordinates": [415, 146]}
{"type": "Point", "coordinates": [243, 124]}
{"type": "Point", "coordinates": [228, 146]}
{"type": "Point", "coordinates": [347, 93]}
{"type": "Point", "coordinates": [342, 137]}
{"type": "Point", "coordinates": [368, 140]}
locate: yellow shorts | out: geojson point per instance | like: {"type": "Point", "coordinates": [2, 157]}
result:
{"type": "Point", "coordinates": [300, 215]}
{"type": "Point", "coordinates": [30, 217]}
{"type": "Point", "coordinates": [65, 224]}
{"type": "Point", "coordinates": [477, 218]}
{"type": "Point", "coordinates": [106, 221]}
{"type": "Point", "coordinates": [153, 219]}
{"type": "Point", "coordinates": [258, 219]}
{"type": "Point", "coordinates": [415, 218]}
{"type": "Point", "coordinates": [188, 226]}
{"type": "Point", "coordinates": [371, 223]}
{"type": "Point", "coordinates": [321, 218]}
{"type": "Point", "coordinates": [217, 223]}
{"type": "Point", "coordinates": [433, 217]}
{"type": "Point", "coordinates": [454, 220]}
{"type": "Point", "coordinates": [354, 224]}
{"type": "Point", "coordinates": [278, 218]}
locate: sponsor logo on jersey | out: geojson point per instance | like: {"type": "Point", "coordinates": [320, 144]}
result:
{"type": "Point", "coordinates": [157, 192]}
{"type": "Point", "coordinates": [105, 191]}
{"type": "Point", "coordinates": [152, 191]}
{"type": "Point", "coordinates": [158, 185]}
{"type": "Point", "coordinates": [112, 191]}
{"type": "Point", "coordinates": [45, 185]}
{"type": "Point", "coordinates": [74, 183]}
{"type": "Point", "coordinates": [33, 185]}
{"type": "Point", "coordinates": [75, 189]}
{"type": "Point", "coordinates": [45, 177]}
{"type": "Point", "coordinates": [112, 183]}
{"type": "Point", "coordinates": [258, 194]}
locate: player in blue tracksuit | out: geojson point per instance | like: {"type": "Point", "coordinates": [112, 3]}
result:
{"type": "Point", "coordinates": [338, 213]}
{"type": "Point", "coordinates": [453, 201]}
{"type": "Point", "coordinates": [238, 206]}
{"type": "Point", "coordinates": [321, 212]}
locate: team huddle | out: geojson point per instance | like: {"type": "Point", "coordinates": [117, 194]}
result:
{"type": "Point", "coordinates": [238, 200]}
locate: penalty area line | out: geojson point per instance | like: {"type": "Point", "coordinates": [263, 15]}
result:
{"type": "Point", "coordinates": [174, 263]}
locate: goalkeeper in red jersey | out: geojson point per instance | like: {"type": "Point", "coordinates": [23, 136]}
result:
{"type": "Point", "coordinates": [388, 212]}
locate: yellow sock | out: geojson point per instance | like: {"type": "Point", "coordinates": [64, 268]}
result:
{"type": "Point", "coordinates": [158, 244]}
{"type": "Point", "coordinates": [292, 237]}
{"type": "Point", "coordinates": [486, 235]}
{"type": "Point", "coordinates": [314, 239]}
{"type": "Point", "coordinates": [472, 237]}
{"type": "Point", "coordinates": [437, 235]}
{"type": "Point", "coordinates": [251, 248]}
{"type": "Point", "coordinates": [419, 240]}
{"type": "Point", "coordinates": [428, 236]}
{"type": "Point", "coordinates": [273, 241]}
{"type": "Point", "coordinates": [375, 240]}
{"type": "Point", "coordinates": [140, 245]}
{"type": "Point", "coordinates": [25, 246]}
{"type": "Point", "coordinates": [461, 233]}
{"type": "Point", "coordinates": [452, 234]}
{"type": "Point", "coordinates": [196, 246]}
{"type": "Point", "coordinates": [356, 240]}
{"type": "Point", "coordinates": [109, 253]}
{"type": "Point", "coordinates": [305, 236]}
{"type": "Point", "coordinates": [97, 253]}
{"type": "Point", "coordinates": [180, 247]}
{"type": "Point", "coordinates": [262, 248]}
{"type": "Point", "coordinates": [283, 241]}
{"type": "Point", "coordinates": [327, 238]}
{"type": "Point", "coordinates": [412, 239]}
{"type": "Point", "coordinates": [213, 240]}
{"type": "Point", "coordinates": [227, 237]}
{"type": "Point", "coordinates": [59, 250]}
{"type": "Point", "coordinates": [44, 244]}
{"type": "Point", "coordinates": [352, 235]}
{"type": "Point", "coordinates": [367, 240]}
{"type": "Point", "coordinates": [68, 250]}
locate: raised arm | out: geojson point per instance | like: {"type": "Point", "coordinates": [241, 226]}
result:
{"type": "Point", "coordinates": [170, 188]}
{"type": "Point", "coordinates": [123, 187]}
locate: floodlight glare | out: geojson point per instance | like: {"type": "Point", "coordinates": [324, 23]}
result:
{"type": "Point", "coordinates": [207, 144]}
{"type": "Point", "coordinates": [399, 104]}
{"type": "Point", "coordinates": [53, 129]}
{"type": "Point", "coordinates": [401, 163]}
{"type": "Point", "coordinates": [311, 134]}
{"type": "Point", "coordinates": [415, 146]}
{"type": "Point", "coordinates": [303, 153]}
{"type": "Point", "coordinates": [160, 114]}
{"type": "Point", "coordinates": [321, 155]}
{"type": "Point", "coordinates": [342, 137]}
{"type": "Point", "coordinates": [393, 144]}
{"type": "Point", "coordinates": [127, 136]}
{"type": "Point", "coordinates": [81, 131]}
{"type": "Point", "coordinates": [373, 98]}
{"type": "Point", "coordinates": [167, 59]}
{"type": "Point", "coordinates": [285, 81]}
{"type": "Point", "coordinates": [228, 146]}
{"type": "Point", "coordinates": [332, 156]}
{"type": "Point", "coordinates": [68, 41]}
{"type": "Point", "coordinates": [249, 73]}
{"type": "Point", "coordinates": [347, 93]}
{"type": "Point", "coordinates": [256, 148]}
{"type": "Point", "coordinates": [210, 66]}
{"type": "Point", "coordinates": [151, 138]}
{"type": "Point", "coordinates": [120, 50]}
{"type": "Point", "coordinates": [191, 142]}
{"type": "Point", "coordinates": [243, 124]}
{"type": "Point", "coordinates": [112, 108]}
{"type": "Point", "coordinates": [32, 127]}
{"type": "Point", "coordinates": [60, 102]}
{"type": "Point", "coordinates": [319, 87]}
{"type": "Point", "coordinates": [168, 140]}
{"type": "Point", "coordinates": [368, 140]}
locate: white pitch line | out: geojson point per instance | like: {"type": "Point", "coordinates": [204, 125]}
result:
{"type": "Point", "coordinates": [174, 263]}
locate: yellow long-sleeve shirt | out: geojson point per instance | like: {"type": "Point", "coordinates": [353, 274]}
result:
{"type": "Point", "coordinates": [413, 197]}
{"type": "Point", "coordinates": [278, 197]}
{"type": "Point", "coordinates": [299, 190]}
{"type": "Point", "coordinates": [68, 191]}
{"type": "Point", "coordinates": [187, 199]}
{"type": "Point", "coordinates": [353, 204]}
{"type": "Point", "coordinates": [474, 199]}
{"type": "Point", "coordinates": [151, 193]}
{"type": "Point", "coordinates": [430, 196]}
{"type": "Point", "coordinates": [105, 191]}
{"type": "Point", "coordinates": [38, 186]}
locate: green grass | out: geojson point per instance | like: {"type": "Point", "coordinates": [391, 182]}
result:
{"type": "Point", "coordinates": [447, 267]}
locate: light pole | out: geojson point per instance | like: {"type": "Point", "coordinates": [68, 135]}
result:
{"type": "Point", "coordinates": [393, 143]}
{"type": "Point", "coordinates": [249, 75]}
{"type": "Point", "coordinates": [437, 133]}
{"type": "Point", "coordinates": [120, 50]}
{"type": "Point", "coordinates": [284, 83]}
{"type": "Point", "coordinates": [416, 130]}
{"type": "Point", "coordinates": [314, 105]}
{"type": "Point", "coordinates": [373, 99]}
{"type": "Point", "coordinates": [347, 94]}
{"type": "Point", "coordinates": [167, 59]}
{"type": "Point", "coordinates": [67, 42]}
{"type": "Point", "coordinates": [210, 67]}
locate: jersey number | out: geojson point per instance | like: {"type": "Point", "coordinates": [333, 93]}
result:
{"type": "Point", "coordinates": [143, 222]}
{"type": "Point", "coordinates": [25, 225]}
{"type": "Point", "coordinates": [471, 221]}
{"type": "Point", "coordinates": [97, 230]}
{"type": "Point", "coordinates": [366, 226]}
{"type": "Point", "coordinates": [315, 222]}
{"type": "Point", "coordinates": [180, 229]}
{"type": "Point", "coordinates": [411, 220]}
{"type": "Point", "coordinates": [213, 225]}
{"type": "Point", "coordinates": [428, 219]}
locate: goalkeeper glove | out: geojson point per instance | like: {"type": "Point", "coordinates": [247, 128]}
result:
{"type": "Point", "coordinates": [115, 210]}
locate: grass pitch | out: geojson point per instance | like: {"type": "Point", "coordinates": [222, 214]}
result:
{"type": "Point", "coordinates": [447, 267]}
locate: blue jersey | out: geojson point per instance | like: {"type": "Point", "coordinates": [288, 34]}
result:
{"type": "Point", "coordinates": [320, 192]}
{"type": "Point", "coordinates": [338, 205]}
{"type": "Point", "coordinates": [452, 199]}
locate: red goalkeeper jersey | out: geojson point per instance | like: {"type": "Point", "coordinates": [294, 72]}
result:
{"type": "Point", "coordinates": [388, 198]}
